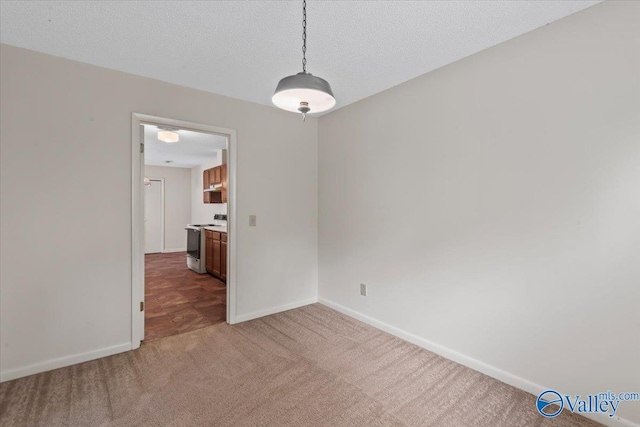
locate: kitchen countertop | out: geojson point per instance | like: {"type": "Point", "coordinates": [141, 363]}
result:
{"type": "Point", "coordinates": [219, 228]}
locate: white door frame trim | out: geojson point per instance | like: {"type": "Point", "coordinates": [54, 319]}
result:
{"type": "Point", "coordinates": [137, 215]}
{"type": "Point", "coordinates": [162, 244]}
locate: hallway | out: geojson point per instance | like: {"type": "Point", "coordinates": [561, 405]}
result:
{"type": "Point", "coordinates": [179, 300]}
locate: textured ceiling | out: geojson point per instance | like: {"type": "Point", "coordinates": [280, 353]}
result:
{"type": "Point", "coordinates": [193, 149]}
{"type": "Point", "coordinates": [242, 49]}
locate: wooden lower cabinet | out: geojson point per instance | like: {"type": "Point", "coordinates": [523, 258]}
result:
{"type": "Point", "coordinates": [223, 261]}
{"type": "Point", "coordinates": [216, 258]}
{"type": "Point", "coordinates": [209, 251]}
{"type": "Point", "coordinates": [216, 254]}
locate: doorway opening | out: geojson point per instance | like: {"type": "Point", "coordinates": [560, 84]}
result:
{"type": "Point", "coordinates": [183, 234]}
{"type": "Point", "coordinates": [153, 215]}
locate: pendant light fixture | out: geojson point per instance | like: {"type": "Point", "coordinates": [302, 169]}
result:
{"type": "Point", "coordinates": [304, 92]}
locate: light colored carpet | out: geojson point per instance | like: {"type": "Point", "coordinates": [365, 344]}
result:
{"type": "Point", "coordinates": [306, 367]}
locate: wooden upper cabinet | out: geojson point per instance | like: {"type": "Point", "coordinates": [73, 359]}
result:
{"type": "Point", "coordinates": [205, 179]}
{"type": "Point", "coordinates": [223, 173]}
{"type": "Point", "coordinates": [217, 175]}
{"type": "Point", "coordinates": [205, 185]}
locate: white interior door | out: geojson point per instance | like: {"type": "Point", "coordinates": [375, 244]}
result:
{"type": "Point", "coordinates": [153, 218]}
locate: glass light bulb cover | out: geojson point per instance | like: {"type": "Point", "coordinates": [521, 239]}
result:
{"type": "Point", "coordinates": [168, 136]}
{"type": "Point", "coordinates": [304, 87]}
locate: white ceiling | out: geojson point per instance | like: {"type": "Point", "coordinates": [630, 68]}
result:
{"type": "Point", "coordinates": [242, 49]}
{"type": "Point", "coordinates": [193, 149]}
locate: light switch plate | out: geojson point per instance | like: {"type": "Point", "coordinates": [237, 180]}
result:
{"type": "Point", "coordinates": [252, 220]}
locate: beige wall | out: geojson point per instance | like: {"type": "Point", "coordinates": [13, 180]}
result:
{"type": "Point", "coordinates": [177, 204]}
{"type": "Point", "coordinates": [493, 207]}
{"type": "Point", "coordinates": [65, 144]}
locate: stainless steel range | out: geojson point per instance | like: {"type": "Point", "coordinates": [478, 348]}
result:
{"type": "Point", "coordinates": [196, 248]}
{"type": "Point", "coordinates": [196, 244]}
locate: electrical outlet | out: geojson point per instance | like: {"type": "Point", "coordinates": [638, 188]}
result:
{"type": "Point", "coordinates": [252, 220]}
{"type": "Point", "coordinates": [363, 289]}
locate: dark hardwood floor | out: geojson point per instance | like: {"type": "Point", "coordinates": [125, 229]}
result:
{"type": "Point", "coordinates": [178, 299]}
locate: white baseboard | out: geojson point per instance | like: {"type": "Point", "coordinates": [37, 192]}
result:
{"type": "Point", "coordinates": [492, 371]}
{"type": "Point", "coordinates": [62, 362]}
{"type": "Point", "coordinates": [249, 316]}
{"type": "Point", "coordinates": [168, 251]}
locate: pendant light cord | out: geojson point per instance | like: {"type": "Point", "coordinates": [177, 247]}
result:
{"type": "Point", "coordinates": [304, 36]}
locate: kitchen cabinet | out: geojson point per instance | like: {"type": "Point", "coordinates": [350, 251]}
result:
{"type": "Point", "coordinates": [209, 250]}
{"type": "Point", "coordinates": [215, 177]}
{"type": "Point", "coordinates": [216, 258]}
{"type": "Point", "coordinates": [223, 181]}
{"type": "Point", "coordinates": [216, 253]}
{"type": "Point", "coordinates": [205, 185]}
{"type": "Point", "coordinates": [223, 258]}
